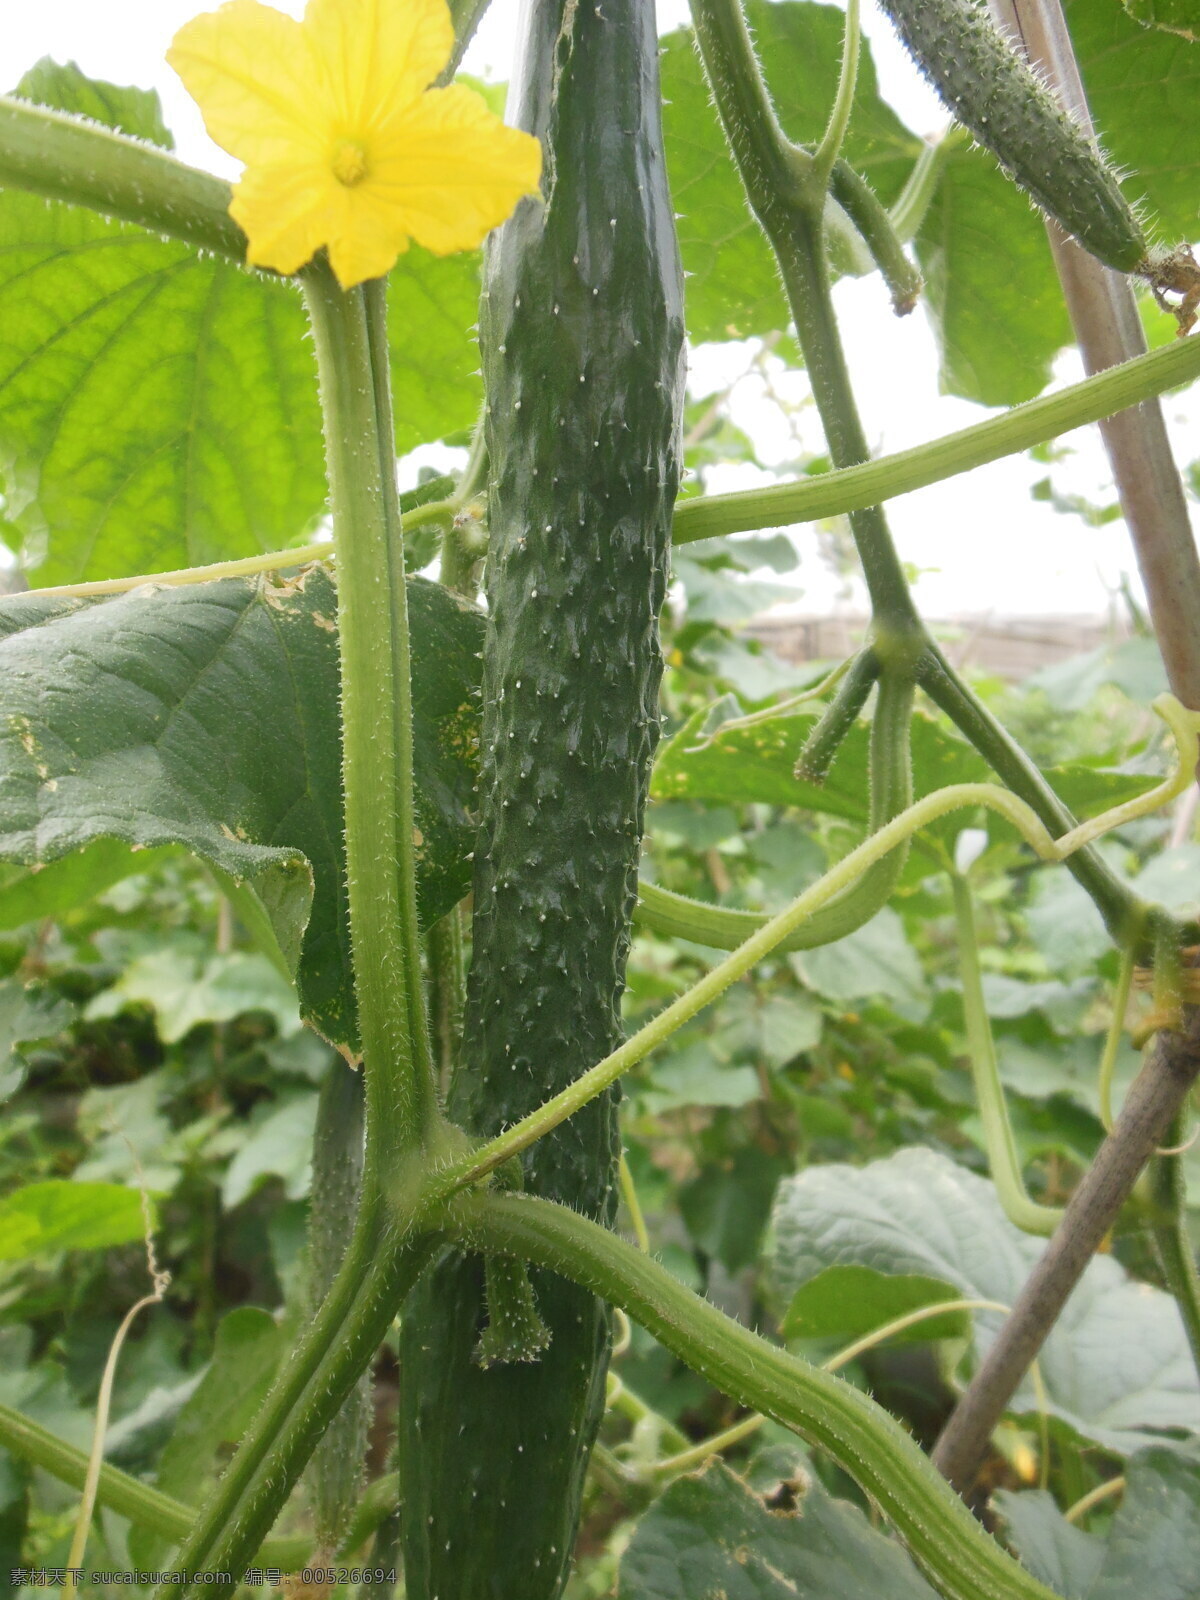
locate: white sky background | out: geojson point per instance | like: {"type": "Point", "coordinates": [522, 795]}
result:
{"type": "Point", "coordinates": [990, 547]}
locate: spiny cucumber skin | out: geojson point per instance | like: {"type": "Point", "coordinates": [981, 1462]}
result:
{"type": "Point", "coordinates": [582, 340]}
{"type": "Point", "coordinates": [993, 92]}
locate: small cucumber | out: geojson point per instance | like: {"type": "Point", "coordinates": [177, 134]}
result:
{"type": "Point", "coordinates": [581, 333]}
{"type": "Point", "coordinates": [993, 92]}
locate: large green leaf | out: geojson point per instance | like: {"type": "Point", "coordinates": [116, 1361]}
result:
{"type": "Point", "coordinates": [1154, 1546]}
{"type": "Point", "coordinates": [756, 763]}
{"type": "Point", "coordinates": [1176, 16]}
{"type": "Point", "coordinates": [158, 409]}
{"type": "Point", "coordinates": [711, 1535]}
{"type": "Point", "coordinates": [1060, 1554]}
{"type": "Point", "coordinates": [993, 291]}
{"type": "Point", "coordinates": [849, 1301]}
{"type": "Point", "coordinates": [137, 112]}
{"type": "Point", "coordinates": [1117, 1364]}
{"type": "Point", "coordinates": [207, 716]}
{"type": "Point", "coordinates": [44, 1218]}
{"type": "Point", "coordinates": [733, 288]}
{"type": "Point", "coordinates": [433, 304]}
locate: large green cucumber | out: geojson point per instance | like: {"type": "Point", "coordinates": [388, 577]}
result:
{"type": "Point", "coordinates": [991, 90]}
{"type": "Point", "coordinates": [582, 339]}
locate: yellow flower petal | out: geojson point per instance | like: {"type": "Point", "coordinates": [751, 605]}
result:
{"type": "Point", "coordinates": [344, 143]}
{"type": "Point", "coordinates": [255, 76]}
{"type": "Point", "coordinates": [452, 170]}
{"type": "Point", "coordinates": [286, 212]}
{"type": "Point", "coordinates": [379, 53]}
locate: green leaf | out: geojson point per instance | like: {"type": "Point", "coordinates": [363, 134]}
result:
{"type": "Point", "coordinates": [1117, 1364]}
{"type": "Point", "coordinates": [733, 288]}
{"type": "Point", "coordinates": [1155, 1537]}
{"type": "Point", "coordinates": [52, 890]}
{"type": "Point", "coordinates": [1060, 1554]}
{"type": "Point", "coordinates": [207, 716]}
{"type": "Point", "coordinates": [710, 1535]}
{"type": "Point", "coordinates": [279, 1147]}
{"type": "Point", "coordinates": [137, 112]}
{"type": "Point", "coordinates": [1174, 16]}
{"type": "Point", "coordinates": [875, 961]}
{"type": "Point", "coordinates": [247, 1351]}
{"type": "Point", "coordinates": [846, 1303]}
{"type": "Point", "coordinates": [159, 409]}
{"type": "Point", "coordinates": [992, 288]}
{"type": "Point", "coordinates": [738, 765]}
{"type": "Point", "coordinates": [433, 303]}
{"type": "Point", "coordinates": [185, 990]}
{"type": "Point", "coordinates": [43, 1218]}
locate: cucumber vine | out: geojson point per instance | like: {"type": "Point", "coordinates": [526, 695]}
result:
{"type": "Point", "coordinates": [576, 576]}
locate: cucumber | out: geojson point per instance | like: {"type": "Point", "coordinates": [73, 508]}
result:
{"type": "Point", "coordinates": [581, 333]}
{"type": "Point", "coordinates": [993, 92]}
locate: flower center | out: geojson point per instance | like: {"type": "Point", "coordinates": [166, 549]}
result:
{"type": "Point", "coordinates": [349, 162]}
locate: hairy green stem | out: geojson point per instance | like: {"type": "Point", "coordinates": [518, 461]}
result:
{"type": "Point", "coordinates": [826, 154]}
{"type": "Point", "coordinates": [400, 668]}
{"type": "Point", "coordinates": [376, 730]}
{"type": "Point", "coordinates": [1001, 1146]}
{"type": "Point", "coordinates": [833, 493]}
{"type": "Point", "coordinates": [1125, 915]}
{"type": "Point", "coordinates": [338, 1347]}
{"type": "Point", "coordinates": [791, 214]}
{"type": "Point", "coordinates": [962, 1560]}
{"type": "Point", "coordinates": [64, 158]}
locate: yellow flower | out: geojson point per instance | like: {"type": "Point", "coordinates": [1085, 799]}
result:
{"type": "Point", "coordinates": [344, 143]}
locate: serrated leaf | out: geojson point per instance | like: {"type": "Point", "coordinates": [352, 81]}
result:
{"type": "Point", "coordinates": [157, 410]}
{"type": "Point", "coordinates": [733, 289]}
{"type": "Point", "coordinates": [1117, 1364]}
{"type": "Point", "coordinates": [185, 991]}
{"type": "Point", "coordinates": [44, 1218]}
{"type": "Point", "coordinates": [875, 961]}
{"type": "Point", "coordinates": [137, 112]}
{"type": "Point", "coordinates": [848, 1302]}
{"type": "Point", "coordinates": [991, 290]}
{"type": "Point", "coordinates": [207, 716]}
{"type": "Point", "coordinates": [711, 1535]}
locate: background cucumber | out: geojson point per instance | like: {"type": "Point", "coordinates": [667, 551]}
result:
{"type": "Point", "coordinates": [991, 90]}
{"type": "Point", "coordinates": [582, 341]}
